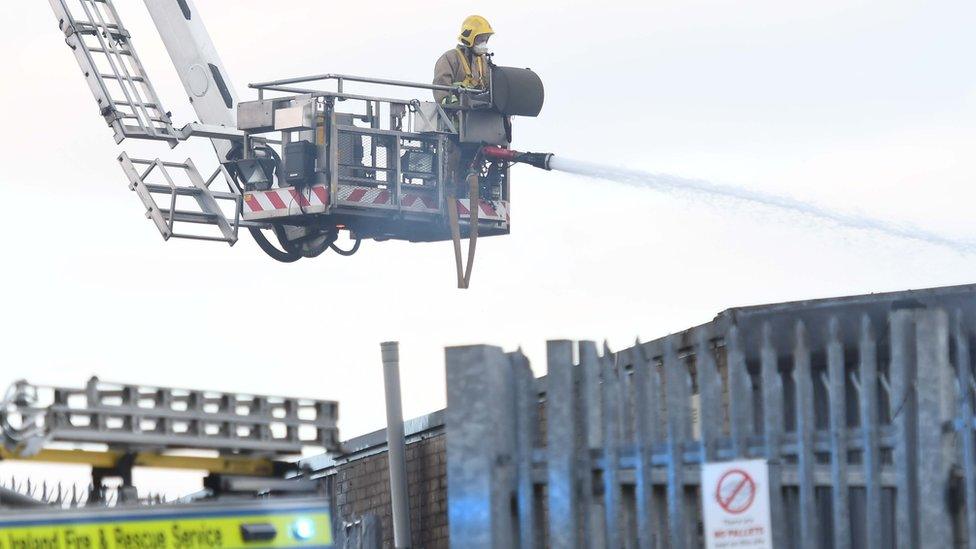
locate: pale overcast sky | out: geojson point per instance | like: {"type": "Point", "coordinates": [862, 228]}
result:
{"type": "Point", "coordinates": [862, 105]}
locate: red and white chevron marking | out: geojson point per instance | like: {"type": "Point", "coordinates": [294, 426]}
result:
{"type": "Point", "coordinates": [495, 210]}
{"type": "Point", "coordinates": [312, 200]}
{"type": "Point", "coordinates": [369, 196]}
{"type": "Point", "coordinates": [285, 202]}
{"type": "Point", "coordinates": [419, 202]}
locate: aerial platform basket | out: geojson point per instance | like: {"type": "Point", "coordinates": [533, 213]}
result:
{"type": "Point", "coordinates": [378, 166]}
{"type": "Point", "coordinates": [307, 160]}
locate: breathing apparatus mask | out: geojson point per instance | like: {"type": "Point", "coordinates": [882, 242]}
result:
{"type": "Point", "coordinates": [481, 45]}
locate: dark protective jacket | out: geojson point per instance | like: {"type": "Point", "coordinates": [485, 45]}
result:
{"type": "Point", "coordinates": [460, 66]}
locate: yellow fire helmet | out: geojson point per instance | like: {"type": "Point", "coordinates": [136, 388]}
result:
{"type": "Point", "coordinates": [473, 27]}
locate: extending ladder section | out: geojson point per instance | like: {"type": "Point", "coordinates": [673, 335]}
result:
{"type": "Point", "coordinates": [137, 418]}
{"type": "Point", "coordinates": [189, 198]}
{"type": "Point", "coordinates": [103, 48]}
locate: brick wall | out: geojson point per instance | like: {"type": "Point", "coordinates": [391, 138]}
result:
{"type": "Point", "coordinates": [360, 485]}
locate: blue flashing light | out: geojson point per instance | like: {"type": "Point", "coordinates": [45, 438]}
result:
{"type": "Point", "coordinates": [303, 529]}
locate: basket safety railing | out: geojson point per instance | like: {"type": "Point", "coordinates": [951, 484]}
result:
{"type": "Point", "coordinates": [286, 85]}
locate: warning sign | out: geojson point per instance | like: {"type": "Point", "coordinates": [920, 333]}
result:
{"type": "Point", "coordinates": [735, 504]}
{"type": "Point", "coordinates": [735, 491]}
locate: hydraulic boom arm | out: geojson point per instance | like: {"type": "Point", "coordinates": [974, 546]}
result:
{"type": "Point", "coordinates": [196, 60]}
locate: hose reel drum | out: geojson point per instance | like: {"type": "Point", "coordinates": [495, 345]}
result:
{"type": "Point", "coordinates": [514, 92]}
{"type": "Point", "coordinates": [517, 92]}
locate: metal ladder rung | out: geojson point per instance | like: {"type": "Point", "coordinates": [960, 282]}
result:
{"type": "Point", "coordinates": [85, 31]}
{"type": "Point", "coordinates": [166, 189]}
{"type": "Point", "coordinates": [202, 237]}
{"type": "Point", "coordinates": [113, 77]}
{"type": "Point", "coordinates": [187, 191]}
{"type": "Point", "coordinates": [184, 216]}
{"type": "Point", "coordinates": [120, 52]}
{"type": "Point", "coordinates": [153, 119]}
{"type": "Point", "coordinates": [98, 25]}
{"type": "Point", "coordinates": [146, 105]}
{"type": "Point", "coordinates": [139, 161]}
{"type": "Point", "coordinates": [122, 36]}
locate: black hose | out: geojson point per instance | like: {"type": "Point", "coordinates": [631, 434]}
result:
{"type": "Point", "coordinates": [349, 252]}
{"type": "Point", "coordinates": [270, 249]}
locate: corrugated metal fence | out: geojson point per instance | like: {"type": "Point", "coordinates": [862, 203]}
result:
{"type": "Point", "coordinates": [864, 414]}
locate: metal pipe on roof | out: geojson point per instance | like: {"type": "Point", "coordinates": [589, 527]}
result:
{"type": "Point", "coordinates": [396, 445]}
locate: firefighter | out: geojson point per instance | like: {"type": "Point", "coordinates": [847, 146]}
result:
{"type": "Point", "coordinates": [467, 64]}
